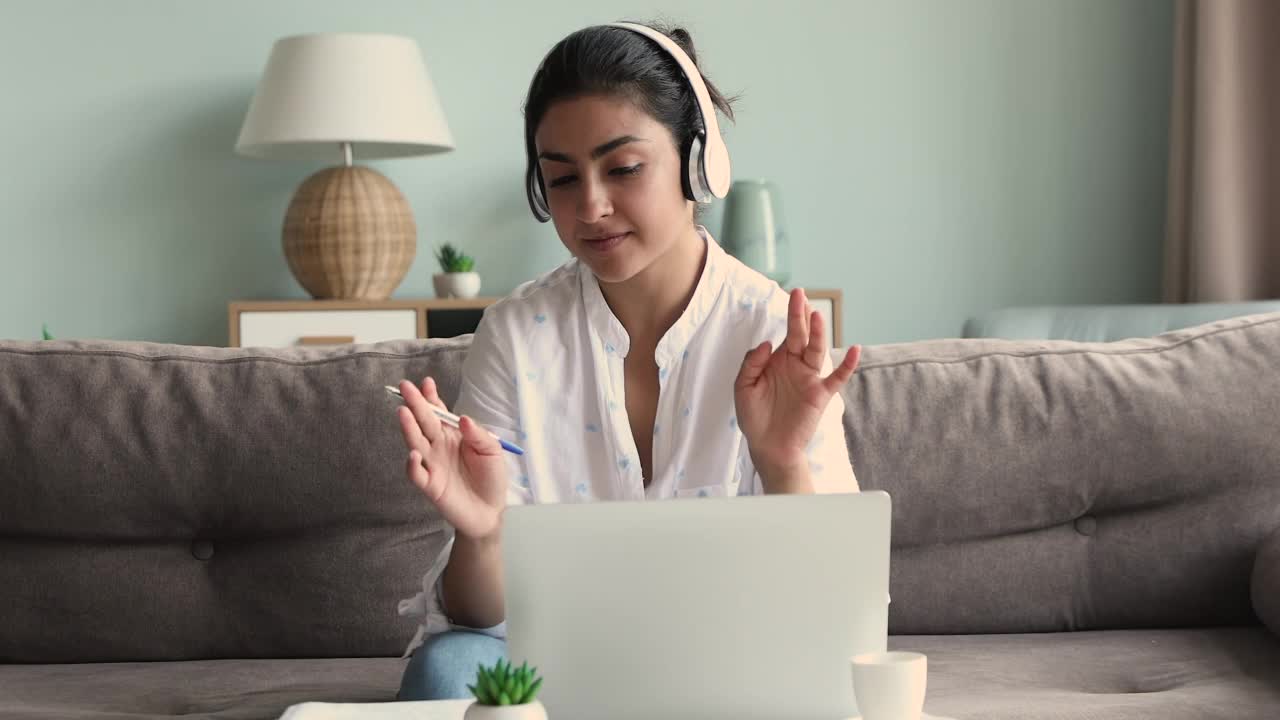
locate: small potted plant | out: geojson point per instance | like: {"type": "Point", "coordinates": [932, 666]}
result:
{"type": "Point", "coordinates": [504, 692]}
{"type": "Point", "coordinates": [458, 279]}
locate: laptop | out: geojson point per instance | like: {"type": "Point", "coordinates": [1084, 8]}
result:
{"type": "Point", "coordinates": [737, 607]}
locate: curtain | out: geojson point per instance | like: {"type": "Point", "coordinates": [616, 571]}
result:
{"type": "Point", "coordinates": [1222, 239]}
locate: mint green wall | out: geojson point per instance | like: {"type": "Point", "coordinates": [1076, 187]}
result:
{"type": "Point", "coordinates": [938, 158]}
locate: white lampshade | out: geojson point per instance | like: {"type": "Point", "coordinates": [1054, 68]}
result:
{"type": "Point", "coordinates": [319, 91]}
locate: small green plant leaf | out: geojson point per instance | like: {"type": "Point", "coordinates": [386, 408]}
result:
{"type": "Point", "coordinates": [44, 331]}
{"type": "Point", "coordinates": [490, 687]}
{"type": "Point", "coordinates": [505, 684]}
{"type": "Point", "coordinates": [453, 260]}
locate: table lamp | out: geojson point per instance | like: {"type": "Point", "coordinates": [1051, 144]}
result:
{"type": "Point", "coordinates": [348, 232]}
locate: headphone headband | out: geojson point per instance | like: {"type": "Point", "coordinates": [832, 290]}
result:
{"type": "Point", "coordinates": [716, 155]}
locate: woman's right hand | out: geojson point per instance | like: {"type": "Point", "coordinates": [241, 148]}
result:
{"type": "Point", "coordinates": [462, 472]}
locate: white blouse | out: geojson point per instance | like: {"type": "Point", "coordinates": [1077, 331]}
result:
{"type": "Point", "coordinates": [545, 371]}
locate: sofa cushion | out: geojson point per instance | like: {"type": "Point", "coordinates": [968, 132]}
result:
{"type": "Point", "coordinates": [1061, 485]}
{"type": "Point", "coordinates": [241, 689]}
{"type": "Point", "coordinates": [1186, 674]}
{"type": "Point", "coordinates": [1227, 673]}
{"type": "Point", "coordinates": [1266, 583]}
{"type": "Point", "coordinates": [163, 502]}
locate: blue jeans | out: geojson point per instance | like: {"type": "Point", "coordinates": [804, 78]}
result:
{"type": "Point", "coordinates": [443, 666]}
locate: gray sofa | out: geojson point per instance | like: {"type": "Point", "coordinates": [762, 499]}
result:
{"type": "Point", "coordinates": [1080, 530]}
{"type": "Point", "coordinates": [1104, 323]}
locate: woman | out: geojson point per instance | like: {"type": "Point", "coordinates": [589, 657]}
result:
{"type": "Point", "coordinates": [615, 371]}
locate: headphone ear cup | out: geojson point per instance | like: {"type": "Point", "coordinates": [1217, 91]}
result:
{"type": "Point", "coordinates": [537, 195]}
{"type": "Point", "coordinates": [541, 188]}
{"type": "Point", "coordinates": [694, 177]}
{"type": "Point", "coordinates": [716, 174]}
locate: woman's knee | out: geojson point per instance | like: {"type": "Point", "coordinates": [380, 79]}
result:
{"type": "Point", "coordinates": [446, 663]}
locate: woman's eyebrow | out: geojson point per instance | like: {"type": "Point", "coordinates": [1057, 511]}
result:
{"type": "Point", "coordinates": [597, 153]}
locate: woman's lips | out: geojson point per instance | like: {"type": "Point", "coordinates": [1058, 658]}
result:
{"type": "Point", "coordinates": [605, 244]}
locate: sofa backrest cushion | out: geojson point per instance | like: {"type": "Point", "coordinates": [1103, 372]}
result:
{"type": "Point", "coordinates": [163, 502]}
{"type": "Point", "coordinates": [1059, 485]}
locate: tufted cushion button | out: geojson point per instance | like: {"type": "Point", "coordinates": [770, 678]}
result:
{"type": "Point", "coordinates": [1086, 525]}
{"type": "Point", "coordinates": [202, 549]}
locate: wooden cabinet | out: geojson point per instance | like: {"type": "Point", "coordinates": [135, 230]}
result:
{"type": "Point", "coordinates": [280, 323]}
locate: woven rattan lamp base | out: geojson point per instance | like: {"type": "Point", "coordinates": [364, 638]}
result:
{"type": "Point", "coordinates": [349, 234]}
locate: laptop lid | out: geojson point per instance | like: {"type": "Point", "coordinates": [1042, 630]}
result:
{"type": "Point", "coordinates": [743, 607]}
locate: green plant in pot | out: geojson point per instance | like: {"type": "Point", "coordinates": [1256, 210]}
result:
{"type": "Point", "coordinates": [506, 692]}
{"type": "Point", "coordinates": [458, 279]}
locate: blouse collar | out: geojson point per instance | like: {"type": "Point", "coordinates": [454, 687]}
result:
{"type": "Point", "coordinates": [672, 346]}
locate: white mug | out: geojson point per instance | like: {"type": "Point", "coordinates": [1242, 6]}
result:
{"type": "Point", "coordinates": [890, 685]}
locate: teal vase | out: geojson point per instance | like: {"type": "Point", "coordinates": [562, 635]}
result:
{"type": "Point", "coordinates": [754, 230]}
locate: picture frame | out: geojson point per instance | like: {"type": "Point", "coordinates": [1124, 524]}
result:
{"type": "Point", "coordinates": [828, 303]}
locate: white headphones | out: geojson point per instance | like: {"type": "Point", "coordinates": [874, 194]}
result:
{"type": "Point", "coordinates": [706, 172]}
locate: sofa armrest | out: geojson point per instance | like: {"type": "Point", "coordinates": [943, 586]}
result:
{"type": "Point", "coordinates": [1265, 585]}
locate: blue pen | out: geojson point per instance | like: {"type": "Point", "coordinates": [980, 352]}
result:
{"type": "Point", "coordinates": [452, 421]}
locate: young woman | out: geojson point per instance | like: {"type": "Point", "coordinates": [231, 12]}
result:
{"type": "Point", "coordinates": [651, 365]}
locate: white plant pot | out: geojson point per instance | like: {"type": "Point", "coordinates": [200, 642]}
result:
{"type": "Point", "coordinates": [528, 711]}
{"type": "Point", "coordinates": [457, 285]}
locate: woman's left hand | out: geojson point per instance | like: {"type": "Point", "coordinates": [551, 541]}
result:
{"type": "Point", "coordinates": [779, 394]}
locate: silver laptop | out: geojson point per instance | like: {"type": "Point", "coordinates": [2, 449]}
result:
{"type": "Point", "coordinates": [698, 608]}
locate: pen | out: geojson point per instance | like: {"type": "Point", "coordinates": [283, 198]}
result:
{"type": "Point", "coordinates": [452, 421]}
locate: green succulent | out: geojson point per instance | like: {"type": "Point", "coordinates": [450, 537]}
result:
{"type": "Point", "coordinates": [44, 331]}
{"type": "Point", "coordinates": [504, 684]}
{"type": "Point", "coordinates": [453, 260]}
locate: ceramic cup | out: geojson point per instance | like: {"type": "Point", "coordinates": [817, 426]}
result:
{"type": "Point", "coordinates": [890, 685]}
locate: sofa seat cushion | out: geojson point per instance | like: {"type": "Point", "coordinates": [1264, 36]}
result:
{"type": "Point", "coordinates": [1115, 674]}
{"type": "Point", "coordinates": [1205, 674]}
{"type": "Point", "coordinates": [239, 689]}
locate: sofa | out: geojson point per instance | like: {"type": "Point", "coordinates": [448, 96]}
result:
{"type": "Point", "coordinates": [1080, 529]}
{"type": "Point", "coordinates": [1105, 323]}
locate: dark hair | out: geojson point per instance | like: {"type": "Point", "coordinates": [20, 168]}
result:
{"type": "Point", "coordinates": [614, 61]}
